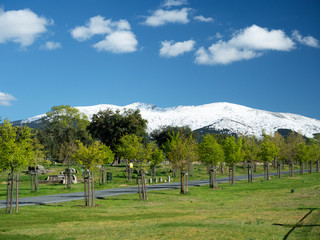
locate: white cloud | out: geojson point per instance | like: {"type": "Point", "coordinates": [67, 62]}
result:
{"type": "Point", "coordinates": [174, 3]}
{"type": "Point", "coordinates": [5, 99]}
{"type": "Point", "coordinates": [21, 26]}
{"type": "Point", "coordinates": [171, 49]}
{"type": "Point", "coordinates": [118, 42]}
{"type": "Point", "coordinates": [51, 45]}
{"type": "Point", "coordinates": [98, 25]}
{"type": "Point", "coordinates": [118, 37]}
{"type": "Point", "coordinates": [245, 44]}
{"type": "Point", "coordinates": [161, 17]}
{"type": "Point", "coordinates": [309, 40]}
{"type": "Point", "coordinates": [203, 19]}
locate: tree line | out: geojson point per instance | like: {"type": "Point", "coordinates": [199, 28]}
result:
{"type": "Point", "coordinates": [67, 136]}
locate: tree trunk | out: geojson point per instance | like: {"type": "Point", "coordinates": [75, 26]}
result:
{"type": "Point", "coordinates": [85, 189]}
{"type": "Point", "coordinates": [32, 183]}
{"type": "Point", "coordinates": [310, 167]}
{"type": "Point", "coordinates": [317, 166]}
{"type": "Point", "coordinates": [215, 177]}
{"type": "Point", "coordinates": [145, 187]}
{"type": "Point", "coordinates": [36, 182]}
{"type": "Point", "coordinates": [221, 169]}
{"type": "Point", "coordinates": [8, 192]}
{"type": "Point", "coordinates": [292, 169]}
{"type": "Point", "coordinates": [245, 166]}
{"type": "Point", "coordinates": [301, 168]}
{"type": "Point", "coordinates": [211, 178]}
{"type": "Point", "coordinates": [182, 190]}
{"type": "Point", "coordinates": [17, 192]}
{"type": "Point", "coordinates": [268, 171]}
{"type": "Point", "coordinates": [89, 188]}
{"type": "Point", "coordinates": [11, 190]}
{"type": "Point", "coordinates": [229, 174]}
{"type": "Point", "coordinates": [92, 185]}
{"type": "Point", "coordinates": [233, 174]}
{"type": "Point", "coordinates": [186, 182]}
{"type": "Point", "coordinates": [139, 187]}
{"type": "Point", "coordinates": [252, 171]}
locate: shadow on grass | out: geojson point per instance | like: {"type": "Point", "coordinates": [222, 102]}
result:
{"type": "Point", "coordinates": [299, 224]}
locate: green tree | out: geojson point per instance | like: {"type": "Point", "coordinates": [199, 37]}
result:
{"type": "Point", "coordinates": [211, 153]}
{"type": "Point", "coordinates": [108, 126]}
{"type": "Point", "coordinates": [251, 149]}
{"type": "Point", "coordinates": [280, 142]}
{"type": "Point", "coordinates": [292, 142]}
{"type": "Point", "coordinates": [268, 152]}
{"type": "Point", "coordinates": [163, 134]}
{"type": "Point", "coordinates": [233, 150]}
{"type": "Point", "coordinates": [63, 126]}
{"type": "Point", "coordinates": [16, 151]}
{"type": "Point", "coordinates": [91, 156]}
{"type": "Point", "coordinates": [182, 151]}
{"type": "Point", "coordinates": [303, 155]}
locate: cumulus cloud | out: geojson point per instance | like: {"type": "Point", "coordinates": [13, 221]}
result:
{"type": "Point", "coordinates": [309, 40]}
{"type": "Point", "coordinates": [51, 45]}
{"type": "Point", "coordinates": [98, 25]}
{"type": "Point", "coordinates": [245, 44]}
{"type": "Point", "coordinates": [5, 99]}
{"type": "Point", "coordinates": [161, 17]}
{"type": "Point", "coordinates": [203, 19]}
{"type": "Point", "coordinates": [171, 49]}
{"type": "Point", "coordinates": [21, 26]}
{"type": "Point", "coordinates": [118, 35]}
{"type": "Point", "coordinates": [118, 42]}
{"type": "Point", "coordinates": [174, 3]}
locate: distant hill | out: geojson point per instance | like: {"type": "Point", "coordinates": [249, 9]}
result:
{"type": "Point", "coordinates": [219, 117]}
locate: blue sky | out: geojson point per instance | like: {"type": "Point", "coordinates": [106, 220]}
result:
{"type": "Point", "coordinates": [261, 54]}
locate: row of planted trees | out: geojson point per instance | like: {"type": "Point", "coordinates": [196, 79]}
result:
{"type": "Point", "coordinates": [68, 136]}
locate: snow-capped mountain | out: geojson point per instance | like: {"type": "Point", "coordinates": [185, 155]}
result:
{"type": "Point", "coordinates": [220, 117]}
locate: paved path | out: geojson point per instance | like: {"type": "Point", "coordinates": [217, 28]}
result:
{"type": "Point", "coordinates": [66, 197]}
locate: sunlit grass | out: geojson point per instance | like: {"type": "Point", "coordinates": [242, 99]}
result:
{"type": "Point", "coordinates": [243, 211]}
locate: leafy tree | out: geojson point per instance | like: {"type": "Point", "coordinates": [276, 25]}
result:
{"type": "Point", "coordinates": [156, 158]}
{"type": "Point", "coordinates": [303, 155]}
{"type": "Point", "coordinates": [315, 153]}
{"type": "Point", "coordinates": [211, 153]}
{"type": "Point", "coordinates": [268, 151]}
{"type": "Point", "coordinates": [91, 156]}
{"type": "Point", "coordinates": [63, 126]}
{"type": "Point", "coordinates": [251, 149]}
{"type": "Point", "coordinates": [16, 151]}
{"type": "Point", "coordinates": [163, 134]}
{"type": "Point", "coordinates": [109, 126]}
{"type": "Point", "coordinates": [182, 152]}
{"type": "Point", "coordinates": [280, 142]}
{"type": "Point", "coordinates": [233, 150]}
{"type": "Point", "coordinates": [292, 142]}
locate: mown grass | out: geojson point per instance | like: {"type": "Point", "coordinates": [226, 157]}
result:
{"type": "Point", "coordinates": [260, 210]}
{"type": "Point", "coordinates": [119, 179]}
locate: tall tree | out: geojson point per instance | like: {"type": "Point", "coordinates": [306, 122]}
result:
{"type": "Point", "coordinates": [268, 152]}
{"type": "Point", "coordinates": [109, 126]}
{"type": "Point", "coordinates": [211, 153]}
{"type": "Point", "coordinates": [251, 149]}
{"type": "Point", "coordinates": [91, 156]}
{"type": "Point", "coordinates": [16, 151]}
{"type": "Point", "coordinates": [303, 155]}
{"type": "Point", "coordinates": [163, 134]}
{"type": "Point", "coordinates": [63, 126]}
{"type": "Point", "coordinates": [292, 142]}
{"type": "Point", "coordinates": [280, 142]}
{"type": "Point", "coordinates": [233, 150]}
{"type": "Point", "coordinates": [182, 152]}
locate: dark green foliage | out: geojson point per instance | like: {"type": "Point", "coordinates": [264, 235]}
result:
{"type": "Point", "coordinates": [108, 126]}
{"type": "Point", "coordinates": [63, 125]}
{"type": "Point", "coordinates": [162, 135]}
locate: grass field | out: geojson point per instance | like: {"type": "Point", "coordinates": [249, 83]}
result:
{"type": "Point", "coordinates": [260, 210]}
{"type": "Point", "coordinates": [119, 179]}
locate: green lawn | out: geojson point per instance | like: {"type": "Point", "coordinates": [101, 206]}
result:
{"type": "Point", "coordinates": [119, 179]}
{"type": "Point", "coordinates": [260, 210]}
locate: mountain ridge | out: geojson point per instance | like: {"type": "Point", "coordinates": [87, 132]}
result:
{"type": "Point", "coordinates": [220, 116]}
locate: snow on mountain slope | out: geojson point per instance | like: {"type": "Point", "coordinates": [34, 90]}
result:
{"type": "Point", "coordinates": [236, 118]}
